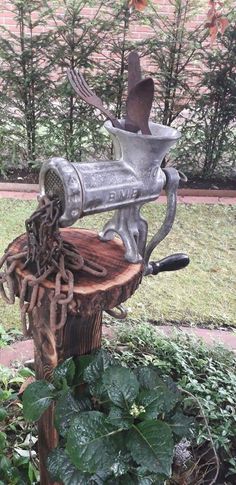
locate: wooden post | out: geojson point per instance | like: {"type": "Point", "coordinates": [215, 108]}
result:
{"type": "Point", "coordinates": [83, 328]}
{"type": "Point", "coordinates": [81, 335]}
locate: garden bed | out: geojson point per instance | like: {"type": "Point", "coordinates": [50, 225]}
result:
{"type": "Point", "coordinates": [27, 176]}
{"type": "Point", "coordinates": [208, 376]}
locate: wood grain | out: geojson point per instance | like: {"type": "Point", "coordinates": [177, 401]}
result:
{"type": "Point", "coordinates": [117, 286]}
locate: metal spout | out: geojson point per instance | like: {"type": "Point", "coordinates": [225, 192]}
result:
{"type": "Point", "coordinates": [143, 152]}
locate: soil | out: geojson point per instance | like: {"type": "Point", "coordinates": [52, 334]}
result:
{"type": "Point", "coordinates": [27, 176]}
{"type": "Point", "coordinates": [21, 176]}
{"type": "Point", "coordinates": [211, 183]}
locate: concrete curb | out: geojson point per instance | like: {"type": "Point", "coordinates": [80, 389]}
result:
{"type": "Point", "coordinates": [14, 187]}
{"type": "Point", "coordinates": [34, 188]}
{"type": "Point", "coordinates": [207, 193]}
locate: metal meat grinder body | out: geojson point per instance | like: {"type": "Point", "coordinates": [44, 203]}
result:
{"type": "Point", "coordinates": [125, 184]}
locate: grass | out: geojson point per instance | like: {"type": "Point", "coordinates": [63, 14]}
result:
{"type": "Point", "coordinates": [202, 294]}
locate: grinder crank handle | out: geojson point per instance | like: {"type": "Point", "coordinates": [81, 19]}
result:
{"type": "Point", "coordinates": [173, 262]}
{"type": "Point", "coordinates": [171, 187]}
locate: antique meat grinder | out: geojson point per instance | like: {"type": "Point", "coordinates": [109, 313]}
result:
{"type": "Point", "coordinates": [65, 278]}
{"type": "Point", "coordinates": [126, 183]}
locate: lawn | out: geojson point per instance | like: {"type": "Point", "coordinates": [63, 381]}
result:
{"type": "Point", "coordinates": [202, 294]}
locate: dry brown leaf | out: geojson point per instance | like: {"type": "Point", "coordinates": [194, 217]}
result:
{"type": "Point", "coordinates": [25, 384]}
{"type": "Point", "coordinates": [138, 4]}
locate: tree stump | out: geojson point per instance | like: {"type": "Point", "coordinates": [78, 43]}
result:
{"type": "Point", "coordinates": [82, 331]}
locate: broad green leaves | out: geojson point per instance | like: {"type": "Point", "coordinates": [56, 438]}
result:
{"type": "Point", "coordinates": [90, 442]}
{"type": "Point", "coordinates": [64, 373]}
{"type": "Point", "coordinates": [61, 468]}
{"type": "Point", "coordinates": [156, 396]}
{"type": "Point", "coordinates": [148, 377]}
{"type": "Point", "coordinates": [94, 372]}
{"type": "Point", "coordinates": [120, 418]}
{"type": "Point", "coordinates": [121, 385]}
{"type": "Point", "coordinates": [182, 425]}
{"type": "Point", "coordinates": [156, 402]}
{"type": "Point", "coordinates": [151, 445]}
{"type": "Point", "coordinates": [3, 438]}
{"type": "Point", "coordinates": [67, 408]}
{"type": "Point", "coordinates": [108, 424]}
{"type": "Point", "coordinates": [81, 363]}
{"type": "Point", "coordinates": [3, 414]}
{"type": "Point", "coordinates": [36, 399]}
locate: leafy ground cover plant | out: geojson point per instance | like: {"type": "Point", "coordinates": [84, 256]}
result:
{"type": "Point", "coordinates": [207, 373]}
{"type": "Point", "coordinates": [8, 336]}
{"type": "Point", "coordinates": [119, 426]}
{"type": "Point", "coordinates": [18, 459]}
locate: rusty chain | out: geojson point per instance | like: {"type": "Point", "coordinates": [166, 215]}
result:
{"type": "Point", "coordinates": [45, 255]}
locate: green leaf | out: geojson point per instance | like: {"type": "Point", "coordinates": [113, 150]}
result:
{"type": "Point", "coordinates": [148, 377]}
{"type": "Point", "coordinates": [121, 385]}
{"type": "Point", "coordinates": [4, 394]}
{"type": "Point", "coordinates": [120, 418]}
{"type": "Point", "coordinates": [100, 363]}
{"type": "Point", "coordinates": [64, 371]}
{"type": "Point", "coordinates": [3, 438]}
{"type": "Point", "coordinates": [147, 478]}
{"type": "Point", "coordinates": [11, 476]}
{"type": "Point", "coordinates": [152, 480]}
{"type": "Point", "coordinates": [122, 462]}
{"type": "Point", "coordinates": [90, 442]}
{"type": "Point", "coordinates": [25, 372]}
{"type": "Point", "coordinates": [3, 414]}
{"type": "Point", "coordinates": [182, 425]}
{"type": "Point", "coordinates": [151, 446]}
{"type": "Point", "coordinates": [5, 464]}
{"type": "Point", "coordinates": [124, 480]}
{"type": "Point", "coordinates": [172, 386]}
{"type": "Point", "coordinates": [32, 473]}
{"type": "Point", "coordinates": [67, 408]}
{"type": "Point", "coordinates": [94, 372]}
{"type": "Point", "coordinates": [81, 363]}
{"type": "Point", "coordinates": [36, 399]}
{"type": "Point", "coordinates": [60, 468]}
{"type": "Point", "coordinates": [159, 400]}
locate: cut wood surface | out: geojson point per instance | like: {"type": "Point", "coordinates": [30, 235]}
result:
{"type": "Point", "coordinates": [120, 282]}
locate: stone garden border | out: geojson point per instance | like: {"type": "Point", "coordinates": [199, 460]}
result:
{"type": "Point", "coordinates": [34, 188]}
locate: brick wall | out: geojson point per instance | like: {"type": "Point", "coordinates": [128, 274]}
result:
{"type": "Point", "coordinates": [138, 31]}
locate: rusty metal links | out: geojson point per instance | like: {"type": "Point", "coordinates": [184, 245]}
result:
{"type": "Point", "coordinates": [10, 297]}
{"type": "Point", "coordinates": [76, 262]}
{"type": "Point", "coordinates": [60, 299]}
{"type": "Point", "coordinates": [27, 307]}
{"type": "Point", "coordinates": [120, 314]}
{"type": "Point", "coordinates": [6, 276]}
{"type": "Point", "coordinates": [46, 255]}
